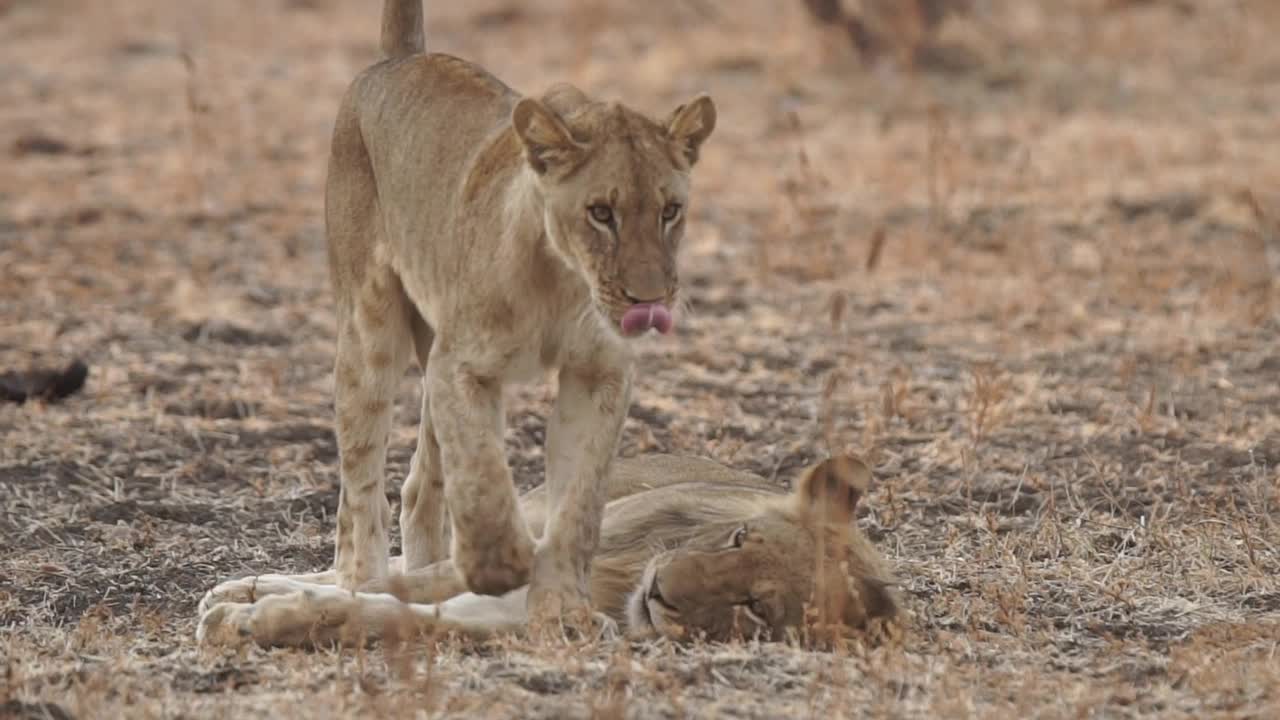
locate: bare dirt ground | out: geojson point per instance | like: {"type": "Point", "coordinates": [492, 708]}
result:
{"type": "Point", "coordinates": [1034, 280]}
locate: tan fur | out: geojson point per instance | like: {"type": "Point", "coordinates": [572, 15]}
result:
{"type": "Point", "coordinates": [667, 565]}
{"type": "Point", "coordinates": [459, 232]}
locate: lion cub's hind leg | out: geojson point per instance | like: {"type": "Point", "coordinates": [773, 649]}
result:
{"type": "Point", "coordinates": [373, 334]}
{"type": "Point", "coordinates": [374, 327]}
{"type": "Point", "coordinates": [422, 507]}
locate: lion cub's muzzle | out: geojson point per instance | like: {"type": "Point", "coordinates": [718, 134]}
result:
{"type": "Point", "coordinates": [644, 316]}
{"type": "Point", "coordinates": [640, 311]}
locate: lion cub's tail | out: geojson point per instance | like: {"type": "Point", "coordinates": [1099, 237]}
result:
{"type": "Point", "coordinates": [402, 31]}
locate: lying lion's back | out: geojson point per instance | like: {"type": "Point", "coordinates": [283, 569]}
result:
{"type": "Point", "coordinates": [646, 472]}
{"type": "Point", "coordinates": [683, 480]}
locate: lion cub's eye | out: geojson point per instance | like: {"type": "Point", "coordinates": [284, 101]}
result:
{"type": "Point", "coordinates": [739, 537]}
{"type": "Point", "coordinates": [670, 212]}
{"type": "Point", "coordinates": [602, 214]}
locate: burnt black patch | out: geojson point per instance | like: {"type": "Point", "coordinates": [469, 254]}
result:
{"type": "Point", "coordinates": [18, 710]}
{"type": "Point", "coordinates": [43, 383]}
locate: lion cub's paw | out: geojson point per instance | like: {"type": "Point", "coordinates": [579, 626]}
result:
{"type": "Point", "coordinates": [606, 627]}
{"type": "Point", "coordinates": [556, 616]}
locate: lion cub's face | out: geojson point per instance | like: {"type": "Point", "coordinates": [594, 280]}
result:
{"type": "Point", "coordinates": [615, 187]}
{"type": "Point", "coordinates": [760, 577]}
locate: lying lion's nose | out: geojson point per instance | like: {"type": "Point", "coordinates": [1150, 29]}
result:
{"type": "Point", "coordinates": [654, 592]}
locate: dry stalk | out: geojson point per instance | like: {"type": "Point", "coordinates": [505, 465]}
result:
{"type": "Point", "coordinates": [199, 138]}
{"type": "Point", "coordinates": [813, 247]}
{"type": "Point", "coordinates": [611, 701]}
{"type": "Point", "coordinates": [400, 637]}
{"type": "Point", "coordinates": [893, 395]}
{"type": "Point", "coordinates": [876, 249]}
{"type": "Point", "coordinates": [1147, 413]}
{"type": "Point", "coordinates": [1263, 261]}
{"type": "Point", "coordinates": [826, 411]}
{"type": "Point", "coordinates": [12, 679]}
{"type": "Point", "coordinates": [837, 306]}
{"type": "Point", "coordinates": [989, 391]}
{"type": "Point", "coordinates": [935, 158]}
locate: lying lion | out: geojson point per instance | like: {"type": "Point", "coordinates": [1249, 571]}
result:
{"type": "Point", "coordinates": [689, 549]}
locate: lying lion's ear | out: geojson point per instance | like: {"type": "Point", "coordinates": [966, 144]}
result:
{"type": "Point", "coordinates": [546, 139]}
{"type": "Point", "coordinates": [834, 487]}
{"type": "Point", "coordinates": [691, 124]}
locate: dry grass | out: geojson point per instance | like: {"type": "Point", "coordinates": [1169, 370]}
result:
{"type": "Point", "coordinates": [1038, 290]}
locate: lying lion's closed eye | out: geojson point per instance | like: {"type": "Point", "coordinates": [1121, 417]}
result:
{"type": "Point", "coordinates": [756, 611]}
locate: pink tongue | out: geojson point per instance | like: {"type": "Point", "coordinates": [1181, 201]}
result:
{"type": "Point", "coordinates": [642, 316]}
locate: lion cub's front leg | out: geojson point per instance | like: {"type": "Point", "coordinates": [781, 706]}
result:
{"type": "Point", "coordinates": [492, 548]}
{"type": "Point", "coordinates": [581, 441]}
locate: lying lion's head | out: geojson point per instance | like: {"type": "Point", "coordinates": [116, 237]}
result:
{"type": "Point", "coordinates": [615, 188]}
{"type": "Point", "coordinates": [801, 559]}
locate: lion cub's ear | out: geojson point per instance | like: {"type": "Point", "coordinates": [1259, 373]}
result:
{"type": "Point", "coordinates": [563, 98]}
{"type": "Point", "coordinates": [691, 124]}
{"type": "Point", "coordinates": [546, 139]}
{"type": "Point", "coordinates": [833, 487]}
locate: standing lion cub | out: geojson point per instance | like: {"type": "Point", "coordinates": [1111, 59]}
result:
{"type": "Point", "coordinates": [496, 237]}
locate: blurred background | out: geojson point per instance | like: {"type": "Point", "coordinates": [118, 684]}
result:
{"type": "Point", "coordinates": [1046, 147]}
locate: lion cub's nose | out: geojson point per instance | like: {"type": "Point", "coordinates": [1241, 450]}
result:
{"type": "Point", "coordinates": [636, 299]}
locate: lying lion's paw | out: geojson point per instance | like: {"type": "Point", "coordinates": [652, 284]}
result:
{"type": "Point", "coordinates": [231, 591]}
{"type": "Point", "coordinates": [226, 625]}
{"type": "Point", "coordinates": [302, 618]}
{"type": "Point", "coordinates": [248, 590]}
